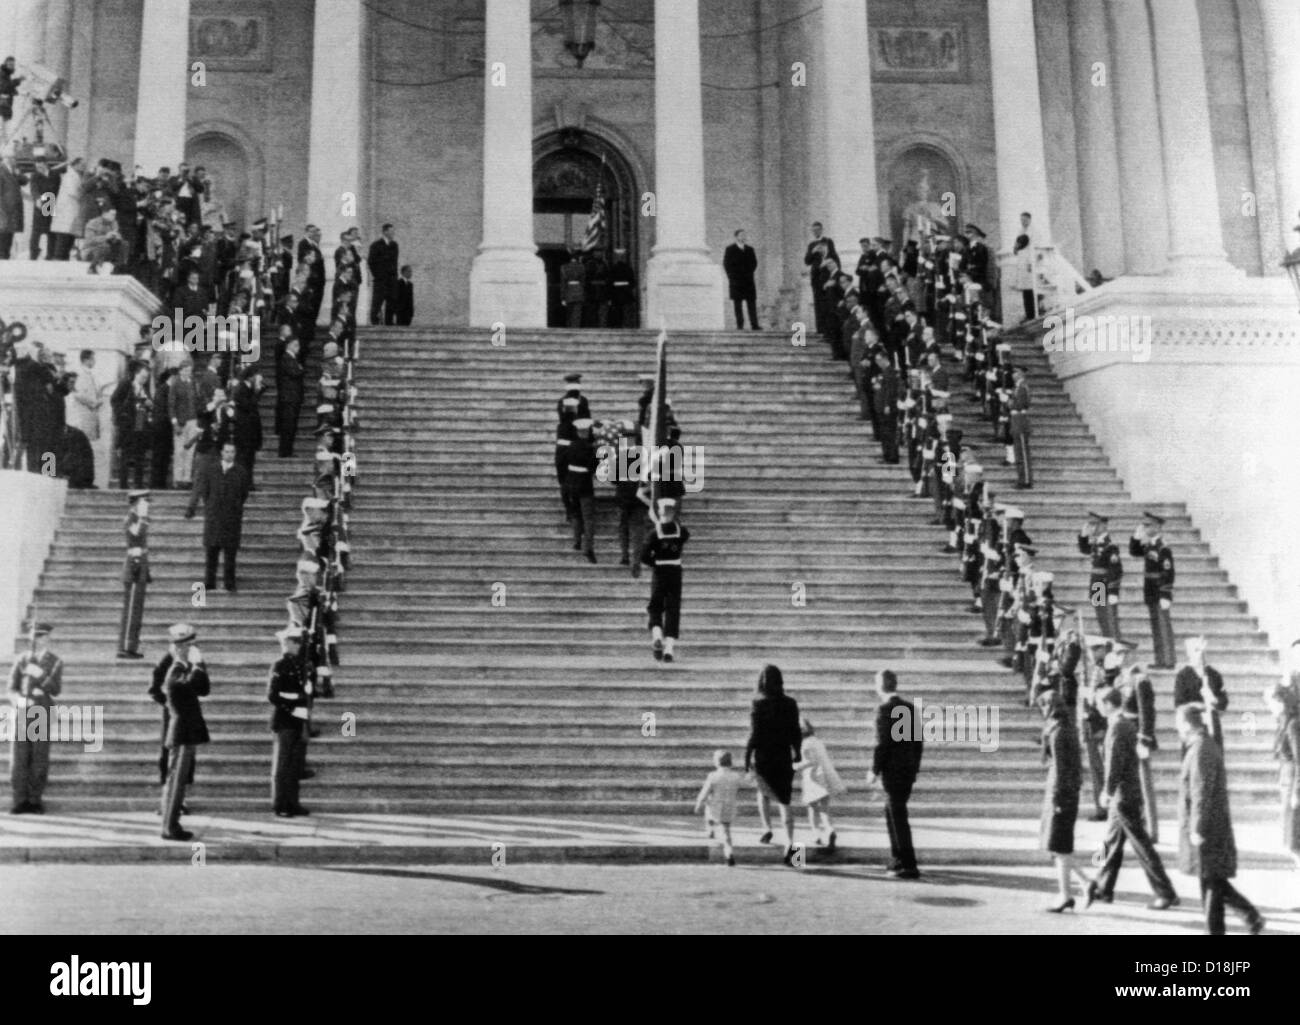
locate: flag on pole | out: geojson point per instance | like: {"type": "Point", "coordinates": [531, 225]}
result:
{"type": "Point", "coordinates": [595, 236]}
{"type": "Point", "coordinates": [659, 415]}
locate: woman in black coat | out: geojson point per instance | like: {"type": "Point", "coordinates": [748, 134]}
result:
{"type": "Point", "coordinates": [1061, 798]}
{"type": "Point", "coordinates": [1284, 703]}
{"type": "Point", "coordinates": [775, 743]}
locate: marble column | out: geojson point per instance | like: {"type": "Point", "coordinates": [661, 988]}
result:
{"type": "Point", "coordinates": [684, 283]}
{"type": "Point", "coordinates": [1195, 228]}
{"type": "Point", "coordinates": [58, 55]}
{"type": "Point", "coordinates": [1098, 157]}
{"type": "Point", "coordinates": [1017, 132]}
{"type": "Point", "coordinates": [852, 197]}
{"type": "Point", "coordinates": [335, 163]}
{"type": "Point", "coordinates": [1281, 20]}
{"type": "Point", "coordinates": [164, 85]}
{"type": "Point", "coordinates": [1137, 119]}
{"type": "Point", "coordinates": [507, 282]}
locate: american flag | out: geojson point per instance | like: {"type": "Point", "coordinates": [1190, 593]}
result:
{"type": "Point", "coordinates": [596, 222]}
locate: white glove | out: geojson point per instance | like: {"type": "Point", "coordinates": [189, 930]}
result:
{"type": "Point", "coordinates": [1166, 604]}
{"type": "Point", "coordinates": [33, 670]}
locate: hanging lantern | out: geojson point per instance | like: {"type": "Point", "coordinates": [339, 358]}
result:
{"type": "Point", "coordinates": [579, 27]}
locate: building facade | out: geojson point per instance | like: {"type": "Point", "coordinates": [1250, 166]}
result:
{"type": "Point", "coordinates": [1143, 140]}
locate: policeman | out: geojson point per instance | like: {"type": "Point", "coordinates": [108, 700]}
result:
{"type": "Point", "coordinates": [289, 690]}
{"type": "Point", "coordinates": [579, 482]}
{"type": "Point", "coordinates": [135, 575]}
{"type": "Point", "coordinates": [662, 552]}
{"type": "Point", "coordinates": [1148, 545]}
{"type": "Point", "coordinates": [1105, 572]}
{"type": "Point", "coordinates": [34, 683]}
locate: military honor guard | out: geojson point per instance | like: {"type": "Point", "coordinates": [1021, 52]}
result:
{"type": "Point", "coordinates": [185, 683]}
{"type": "Point", "coordinates": [579, 482]}
{"type": "Point", "coordinates": [1148, 544]}
{"type": "Point", "coordinates": [34, 682]}
{"type": "Point", "coordinates": [662, 552]}
{"type": "Point", "coordinates": [1105, 572]}
{"type": "Point", "coordinates": [1019, 428]}
{"type": "Point", "coordinates": [135, 575]}
{"type": "Point", "coordinates": [628, 491]}
{"type": "Point", "coordinates": [289, 690]}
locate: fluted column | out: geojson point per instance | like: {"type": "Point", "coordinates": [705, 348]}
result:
{"type": "Point", "coordinates": [683, 284]}
{"type": "Point", "coordinates": [507, 282]}
{"type": "Point", "coordinates": [58, 54]}
{"type": "Point", "coordinates": [1137, 120]}
{"type": "Point", "coordinates": [1281, 20]}
{"type": "Point", "coordinates": [1195, 229]}
{"type": "Point", "coordinates": [852, 196]}
{"type": "Point", "coordinates": [164, 85]}
{"type": "Point", "coordinates": [1094, 118]}
{"type": "Point", "coordinates": [335, 167]}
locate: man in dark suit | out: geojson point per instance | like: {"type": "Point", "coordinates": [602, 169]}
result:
{"type": "Point", "coordinates": [818, 251]}
{"type": "Point", "coordinates": [186, 681]}
{"type": "Point", "coordinates": [740, 262]}
{"type": "Point", "coordinates": [383, 272]}
{"type": "Point", "coordinates": [1123, 790]}
{"type": "Point", "coordinates": [404, 300]}
{"type": "Point", "coordinates": [978, 257]}
{"type": "Point", "coordinates": [288, 396]}
{"type": "Point", "coordinates": [315, 294]}
{"type": "Point", "coordinates": [1200, 684]}
{"type": "Point", "coordinates": [895, 764]}
{"type": "Point", "coordinates": [1206, 846]}
{"type": "Point", "coordinates": [11, 204]}
{"type": "Point", "coordinates": [224, 490]}
{"type": "Point", "coordinates": [132, 419]}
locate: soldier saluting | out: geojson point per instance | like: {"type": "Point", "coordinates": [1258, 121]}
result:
{"type": "Point", "coordinates": [135, 575]}
{"type": "Point", "coordinates": [662, 552]}
{"type": "Point", "coordinates": [34, 683]}
{"type": "Point", "coordinates": [1148, 545]}
{"type": "Point", "coordinates": [1105, 573]}
{"type": "Point", "coordinates": [186, 682]}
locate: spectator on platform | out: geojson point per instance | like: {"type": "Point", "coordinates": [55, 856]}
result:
{"type": "Point", "coordinates": [775, 744]}
{"type": "Point", "coordinates": [161, 433]}
{"type": "Point", "coordinates": [11, 202]}
{"type": "Point", "coordinates": [85, 402]}
{"type": "Point", "coordinates": [103, 242]}
{"type": "Point", "coordinates": [132, 418]}
{"type": "Point", "coordinates": [43, 187]}
{"type": "Point", "coordinates": [247, 434]}
{"type": "Point", "coordinates": [68, 223]}
{"type": "Point", "coordinates": [223, 490]}
{"type": "Point", "coordinates": [404, 303]}
{"type": "Point", "coordinates": [740, 262]}
{"type": "Point", "coordinates": [76, 459]}
{"type": "Point", "coordinates": [1283, 702]}
{"type": "Point", "coordinates": [9, 82]}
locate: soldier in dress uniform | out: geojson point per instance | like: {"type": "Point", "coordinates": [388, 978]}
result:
{"type": "Point", "coordinates": [1019, 428]}
{"type": "Point", "coordinates": [579, 481]}
{"type": "Point", "coordinates": [1148, 545]}
{"type": "Point", "coordinates": [135, 575]}
{"type": "Point", "coordinates": [627, 491]}
{"type": "Point", "coordinates": [1105, 572]}
{"type": "Point", "coordinates": [886, 395]}
{"type": "Point", "coordinates": [34, 682]}
{"type": "Point", "coordinates": [573, 288]}
{"type": "Point", "coordinates": [186, 681]}
{"type": "Point", "coordinates": [662, 552]}
{"type": "Point", "coordinates": [289, 690]}
{"type": "Point", "coordinates": [313, 611]}
{"type": "Point", "coordinates": [622, 291]}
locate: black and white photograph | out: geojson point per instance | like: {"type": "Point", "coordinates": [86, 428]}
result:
{"type": "Point", "coordinates": [652, 467]}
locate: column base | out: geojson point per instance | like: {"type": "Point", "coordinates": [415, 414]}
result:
{"type": "Point", "coordinates": [684, 291]}
{"type": "Point", "coordinates": [1205, 269]}
{"type": "Point", "coordinates": [507, 286]}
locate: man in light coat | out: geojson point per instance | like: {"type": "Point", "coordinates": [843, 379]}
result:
{"type": "Point", "coordinates": [69, 224]}
{"type": "Point", "coordinates": [85, 402]}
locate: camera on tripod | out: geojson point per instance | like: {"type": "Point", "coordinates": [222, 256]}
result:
{"type": "Point", "coordinates": [42, 88]}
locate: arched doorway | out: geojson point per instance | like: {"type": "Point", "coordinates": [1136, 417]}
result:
{"type": "Point", "coordinates": [227, 165]}
{"type": "Point", "coordinates": [567, 166]}
{"type": "Point", "coordinates": [924, 185]}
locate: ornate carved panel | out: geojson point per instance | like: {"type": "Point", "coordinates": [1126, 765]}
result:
{"type": "Point", "coordinates": [919, 53]}
{"type": "Point", "coordinates": [231, 37]}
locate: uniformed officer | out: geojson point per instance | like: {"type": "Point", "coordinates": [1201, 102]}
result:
{"type": "Point", "coordinates": [289, 690]}
{"type": "Point", "coordinates": [662, 552]}
{"type": "Point", "coordinates": [1019, 429]}
{"type": "Point", "coordinates": [1104, 574]}
{"type": "Point", "coordinates": [34, 682]}
{"type": "Point", "coordinates": [885, 390]}
{"type": "Point", "coordinates": [1148, 544]}
{"type": "Point", "coordinates": [572, 404]}
{"type": "Point", "coordinates": [579, 482]}
{"type": "Point", "coordinates": [185, 682]}
{"type": "Point", "coordinates": [135, 575]}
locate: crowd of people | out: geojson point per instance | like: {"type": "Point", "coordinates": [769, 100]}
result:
{"type": "Point", "coordinates": [892, 320]}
